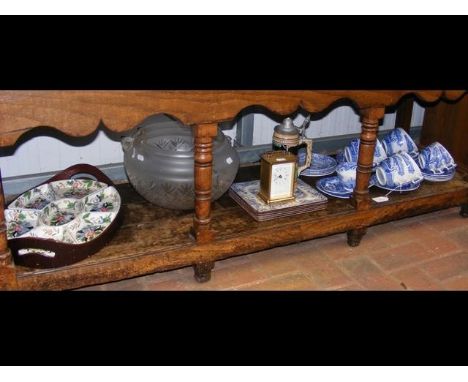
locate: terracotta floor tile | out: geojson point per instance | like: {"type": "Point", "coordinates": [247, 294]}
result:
{"type": "Point", "coordinates": [349, 288]}
{"type": "Point", "coordinates": [367, 274]}
{"type": "Point", "coordinates": [457, 283]}
{"type": "Point", "coordinates": [168, 285]}
{"type": "Point", "coordinates": [439, 244]}
{"type": "Point", "coordinates": [275, 262]}
{"type": "Point", "coordinates": [339, 249]}
{"type": "Point", "coordinates": [416, 279]}
{"type": "Point", "coordinates": [448, 266]}
{"type": "Point", "coordinates": [285, 282]}
{"type": "Point", "coordinates": [226, 278]}
{"type": "Point", "coordinates": [371, 242]}
{"type": "Point", "coordinates": [459, 237]}
{"type": "Point", "coordinates": [395, 235]}
{"type": "Point", "coordinates": [447, 222]}
{"type": "Point", "coordinates": [402, 256]}
{"type": "Point", "coordinates": [322, 270]}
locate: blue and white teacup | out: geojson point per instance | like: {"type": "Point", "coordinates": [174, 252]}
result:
{"type": "Point", "coordinates": [398, 170]}
{"type": "Point", "coordinates": [436, 159]}
{"type": "Point", "coordinates": [351, 152]}
{"type": "Point", "coordinates": [398, 141]}
{"type": "Point", "coordinates": [347, 174]}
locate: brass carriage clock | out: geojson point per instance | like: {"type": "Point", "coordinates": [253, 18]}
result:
{"type": "Point", "coordinates": [277, 176]}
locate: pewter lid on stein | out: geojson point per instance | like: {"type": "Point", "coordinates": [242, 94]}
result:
{"type": "Point", "coordinates": [287, 127]}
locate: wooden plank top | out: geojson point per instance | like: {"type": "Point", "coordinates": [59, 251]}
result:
{"type": "Point", "coordinates": [78, 112]}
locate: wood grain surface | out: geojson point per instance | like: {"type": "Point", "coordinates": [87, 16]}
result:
{"type": "Point", "coordinates": [78, 113]}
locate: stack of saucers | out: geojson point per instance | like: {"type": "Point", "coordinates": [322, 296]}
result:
{"type": "Point", "coordinates": [321, 165]}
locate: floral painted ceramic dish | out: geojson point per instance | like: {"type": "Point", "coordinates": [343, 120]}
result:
{"type": "Point", "coordinates": [75, 188]}
{"type": "Point", "coordinates": [66, 220]}
{"type": "Point", "coordinates": [91, 225]}
{"type": "Point", "coordinates": [20, 221]}
{"type": "Point", "coordinates": [34, 199]}
{"type": "Point", "coordinates": [106, 200]}
{"type": "Point", "coordinates": [63, 221]}
{"type": "Point", "coordinates": [60, 212]}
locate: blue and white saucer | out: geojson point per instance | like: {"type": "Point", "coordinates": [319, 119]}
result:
{"type": "Point", "coordinates": [321, 165]}
{"type": "Point", "coordinates": [402, 188]}
{"type": "Point", "coordinates": [445, 176]}
{"type": "Point", "coordinates": [333, 186]}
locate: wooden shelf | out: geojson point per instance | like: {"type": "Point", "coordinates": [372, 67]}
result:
{"type": "Point", "coordinates": [154, 239]}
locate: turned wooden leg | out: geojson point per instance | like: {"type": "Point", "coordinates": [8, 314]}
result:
{"type": "Point", "coordinates": [7, 269]}
{"type": "Point", "coordinates": [370, 124]}
{"type": "Point", "coordinates": [355, 236]}
{"type": "Point", "coordinates": [464, 210]}
{"type": "Point", "coordinates": [204, 134]}
{"type": "Point", "coordinates": [203, 271]}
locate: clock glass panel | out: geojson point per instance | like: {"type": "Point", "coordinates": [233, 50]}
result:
{"type": "Point", "coordinates": [282, 180]}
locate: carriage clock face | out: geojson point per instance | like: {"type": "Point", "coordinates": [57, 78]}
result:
{"type": "Point", "coordinates": [278, 173]}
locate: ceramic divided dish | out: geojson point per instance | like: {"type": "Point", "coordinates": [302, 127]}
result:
{"type": "Point", "coordinates": [66, 212]}
{"type": "Point", "coordinates": [70, 211]}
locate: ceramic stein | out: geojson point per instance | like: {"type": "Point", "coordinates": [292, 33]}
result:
{"type": "Point", "coordinates": [288, 137]}
{"type": "Point", "coordinates": [398, 170]}
{"type": "Point", "coordinates": [398, 141]}
{"type": "Point", "coordinates": [351, 152]}
{"type": "Point", "coordinates": [436, 159]}
{"type": "Point", "coordinates": [347, 174]}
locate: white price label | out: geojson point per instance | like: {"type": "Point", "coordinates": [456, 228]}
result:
{"type": "Point", "coordinates": [380, 199]}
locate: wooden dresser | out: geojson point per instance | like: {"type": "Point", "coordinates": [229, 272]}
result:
{"type": "Point", "coordinates": [154, 239]}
